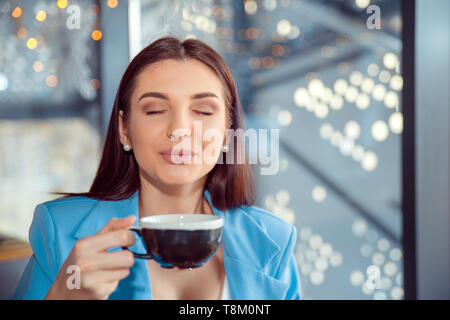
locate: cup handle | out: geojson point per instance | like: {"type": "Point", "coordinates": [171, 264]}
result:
{"type": "Point", "coordinates": [138, 255]}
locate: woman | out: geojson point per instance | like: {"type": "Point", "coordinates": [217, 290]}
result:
{"type": "Point", "coordinates": [169, 87]}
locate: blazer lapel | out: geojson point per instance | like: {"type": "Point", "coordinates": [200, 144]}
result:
{"type": "Point", "coordinates": [248, 283]}
{"type": "Point", "coordinates": [248, 251]}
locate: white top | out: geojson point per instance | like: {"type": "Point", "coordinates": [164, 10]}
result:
{"type": "Point", "coordinates": [225, 290]}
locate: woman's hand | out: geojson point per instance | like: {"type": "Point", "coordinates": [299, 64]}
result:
{"type": "Point", "coordinates": [100, 270]}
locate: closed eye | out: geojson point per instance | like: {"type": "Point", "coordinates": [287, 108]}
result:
{"type": "Point", "coordinates": [153, 112]}
{"type": "Point", "coordinates": [204, 113]}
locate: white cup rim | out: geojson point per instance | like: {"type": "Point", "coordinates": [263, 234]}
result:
{"type": "Point", "coordinates": [182, 221]}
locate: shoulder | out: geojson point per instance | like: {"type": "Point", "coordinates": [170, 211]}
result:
{"type": "Point", "coordinates": [68, 203]}
{"type": "Point", "coordinates": [68, 209]}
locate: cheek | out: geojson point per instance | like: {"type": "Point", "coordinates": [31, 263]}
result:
{"type": "Point", "coordinates": [145, 138]}
{"type": "Point", "coordinates": [145, 131]}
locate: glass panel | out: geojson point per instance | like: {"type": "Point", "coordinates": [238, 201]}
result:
{"type": "Point", "coordinates": [49, 106]}
{"type": "Point", "coordinates": [328, 75]}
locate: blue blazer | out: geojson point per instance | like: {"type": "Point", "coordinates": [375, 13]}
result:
{"type": "Point", "coordinates": [258, 249]}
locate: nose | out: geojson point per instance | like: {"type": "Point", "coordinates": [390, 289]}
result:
{"type": "Point", "coordinates": [178, 135]}
{"type": "Point", "coordinates": [181, 125]}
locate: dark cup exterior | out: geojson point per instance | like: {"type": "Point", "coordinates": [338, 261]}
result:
{"type": "Point", "coordinates": [180, 248]}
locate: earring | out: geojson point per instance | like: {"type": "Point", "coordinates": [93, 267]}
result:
{"type": "Point", "coordinates": [225, 148]}
{"type": "Point", "coordinates": [126, 147]}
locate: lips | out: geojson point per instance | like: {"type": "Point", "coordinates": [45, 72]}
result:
{"type": "Point", "coordinates": [183, 157]}
{"type": "Point", "coordinates": [180, 153]}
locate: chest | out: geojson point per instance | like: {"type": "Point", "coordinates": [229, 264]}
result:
{"type": "Point", "coordinates": [204, 283]}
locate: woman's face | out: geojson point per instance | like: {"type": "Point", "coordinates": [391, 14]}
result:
{"type": "Point", "coordinates": [164, 102]}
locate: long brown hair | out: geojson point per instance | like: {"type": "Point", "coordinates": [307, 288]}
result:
{"type": "Point", "coordinates": [230, 185]}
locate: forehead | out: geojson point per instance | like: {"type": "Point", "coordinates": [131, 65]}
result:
{"type": "Point", "coordinates": [178, 79]}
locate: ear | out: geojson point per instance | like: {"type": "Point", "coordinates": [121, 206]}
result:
{"type": "Point", "coordinates": [123, 133]}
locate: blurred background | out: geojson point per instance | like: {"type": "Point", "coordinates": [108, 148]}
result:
{"type": "Point", "coordinates": [329, 74]}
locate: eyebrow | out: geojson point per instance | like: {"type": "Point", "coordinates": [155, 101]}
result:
{"type": "Point", "coordinates": [160, 95]}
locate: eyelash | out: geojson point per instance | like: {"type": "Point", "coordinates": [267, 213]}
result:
{"type": "Point", "coordinates": [156, 112]}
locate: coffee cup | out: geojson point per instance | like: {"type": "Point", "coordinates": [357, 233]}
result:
{"type": "Point", "coordinates": [179, 240]}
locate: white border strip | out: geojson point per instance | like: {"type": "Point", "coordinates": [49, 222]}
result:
{"type": "Point", "coordinates": [134, 27]}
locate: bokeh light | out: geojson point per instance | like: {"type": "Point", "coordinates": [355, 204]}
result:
{"type": "Point", "coordinates": [391, 99]}
{"type": "Point", "coordinates": [363, 101]}
{"type": "Point", "coordinates": [41, 15]}
{"type": "Point", "coordinates": [62, 4]}
{"type": "Point", "coordinates": [326, 130]}
{"type": "Point", "coordinates": [369, 161]}
{"type": "Point", "coordinates": [390, 60]}
{"type": "Point", "coordinates": [250, 7]}
{"type": "Point", "coordinates": [380, 130]}
{"type": "Point", "coordinates": [340, 86]}
{"type": "Point", "coordinates": [22, 32]}
{"type": "Point", "coordinates": [4, 82]}
{"type": "Point", "coordinates": [379, 92]}
{"type": "Point", "coordinates": [396, 82]}
{"type": "Point", "coordinates": [351, 94]}
{"type": "Point", "coordinates": [373, 69]}
{"type": "Point", "coordinates": [352, 129]}
{"type": "Point", "coordinates": [112, 3]}
{"type": "Point", "coordinates": [362, 4]}
{"type": "Point", "coordinates": [284, 118]}
{"type": "Point", "coordinates": [396, 122]}
{"type": "Point", "coordinates": [337, 102]}
{"type": "Point", "coordinates": [38, 66]}
{"type": "Point", "coordinates": [17, 12]}
{"type": "Point", "coordinates": [96, 35]}
{"type": "Point", "coordinates": [31, 43]}
{"type": "Point", "coordinates": [283, 27]}
{"type": "Point", "coordinates": [356, 78]}
{"type": "Point", "coordinates": [319, 194]}
{"type": "Point", "coordinates": [367, 85]}
{"type": "Point", "coordinates": [301, 97]}
{"type": "Point", "coordinates": [52, 81]}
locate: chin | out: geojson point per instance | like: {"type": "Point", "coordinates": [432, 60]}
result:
{"type": "Point", "coordinates": [177, 177]}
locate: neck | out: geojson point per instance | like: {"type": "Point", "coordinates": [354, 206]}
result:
{"type": "Point", "coordinates": [171, 199]}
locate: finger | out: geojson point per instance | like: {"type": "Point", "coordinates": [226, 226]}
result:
{"type": "Point", "coordinates": [113, 260]}
{"type": "Point", "coordinates": [112, 239]}
{"type": "Point", "coordinates": [117, 223]}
